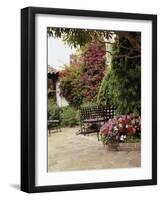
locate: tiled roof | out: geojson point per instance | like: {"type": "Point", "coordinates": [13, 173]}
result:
{"type": "Point", "coordinates": [51, 70]}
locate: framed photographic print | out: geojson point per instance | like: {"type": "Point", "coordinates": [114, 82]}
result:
{"type": "Point", "coordinates": [88, 99]}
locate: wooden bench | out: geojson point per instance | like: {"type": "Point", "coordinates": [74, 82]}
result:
{"type": "Point", "coordinates": [92, 118]}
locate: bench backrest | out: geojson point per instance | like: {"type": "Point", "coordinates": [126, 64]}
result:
{"type": "Point", "coordinates": [97, 112]}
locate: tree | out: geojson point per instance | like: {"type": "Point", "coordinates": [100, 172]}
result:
{"type": "Point", "coordinates": [92, 70]}
{"type": "Point", "coordinates": [79, 37]}
{"type": "Point", "coordinates": [70, 83]}
{"type": "Point", "coordinates": [80, 81]}
{"type": "Point", "coordinates": [121, 85]}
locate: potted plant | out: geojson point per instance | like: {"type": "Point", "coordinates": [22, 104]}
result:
{"type": "Point", "coordinates": [121, 129]}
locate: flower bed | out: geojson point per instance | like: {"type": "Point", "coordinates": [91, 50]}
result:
{"type": "Point", "coordinates": [122, 132]}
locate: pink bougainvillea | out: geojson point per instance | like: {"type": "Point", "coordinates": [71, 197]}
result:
{"type": "Point", "coordinates": [92, 69]}
{"type": "Point", "coordinates": [80, 81]}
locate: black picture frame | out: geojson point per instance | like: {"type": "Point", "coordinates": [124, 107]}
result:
{"type": "Point", "coordinates": [28, 99]}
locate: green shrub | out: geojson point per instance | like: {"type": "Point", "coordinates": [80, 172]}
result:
{"type": "Point", "coordinates": [89, 104]}
{"type": "Point", "coordinates": [70, 85]}
{"type": "Point", "coordinates": [121, 85]}
{"type": "Point", "coordinates": [70, 117]}
{"type": "Point", "coordinates": [54, 112]}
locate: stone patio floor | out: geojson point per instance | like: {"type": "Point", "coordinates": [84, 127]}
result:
{"type": "Point", "coordinates": [68, 151]}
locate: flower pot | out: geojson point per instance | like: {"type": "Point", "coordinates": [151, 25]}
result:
{"type": "Point", "coordinates": [113, 146]}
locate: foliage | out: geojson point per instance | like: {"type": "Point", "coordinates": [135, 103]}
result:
{"type": "Point", "coordinates": [89, 104]}
{"type": "Point", "coordinates": [121, 128]}
{"type": "Point", "coordinates": [70, 117]}
{"type": "Point", "coordinates": [77, 37]}
{"type": "Point", "coordinates": [93, 68]}
{"type": "Point", "coordinates": [52, 95]}
{"type": "Point", "coordinates": [54, 112]}
{"type": "Point", "coordinates": [80, 81]}
{"type": "Point", "coordinates": [132, 139]}
{"type": "Point", "coordinates": [80, 37]}
{"type": "Point", "coordinates": [103, 97]}
{"type": "Point", "coordinates": [70, 84]}
{"type": "Point", "coordinates": [121, 85]}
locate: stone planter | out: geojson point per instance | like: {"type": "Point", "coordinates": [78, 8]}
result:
{"type": "Point", "coordinates": [113, 147]}
{"type": "Point", "coordinates": [124, 147]}
{"type": "Point", "coordinates": [129, 146]}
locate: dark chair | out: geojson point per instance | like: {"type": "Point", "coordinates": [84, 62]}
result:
{"type": "Point", "coordinates": [54, 124]}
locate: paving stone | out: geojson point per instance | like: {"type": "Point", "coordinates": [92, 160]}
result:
{"type": "Point", "coordinates": [68, 151]}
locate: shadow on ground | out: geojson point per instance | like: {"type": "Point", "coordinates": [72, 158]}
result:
{"type": "Point", "coordinates": [15, 186]}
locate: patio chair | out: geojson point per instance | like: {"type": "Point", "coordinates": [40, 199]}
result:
{"type": "Point", "coordinates": [54, 124]}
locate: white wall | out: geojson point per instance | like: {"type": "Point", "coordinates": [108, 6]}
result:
{"type": "Point", "coordinates": [10, 99]}
{"type": "Point", "coordinates": [60, 100]}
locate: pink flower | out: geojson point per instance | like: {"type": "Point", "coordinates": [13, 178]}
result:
{"type": "Point", "coordinates": [125, 124]}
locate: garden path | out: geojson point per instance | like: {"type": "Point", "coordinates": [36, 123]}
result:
{"type": "Point", "coordinates": [68, 151]}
